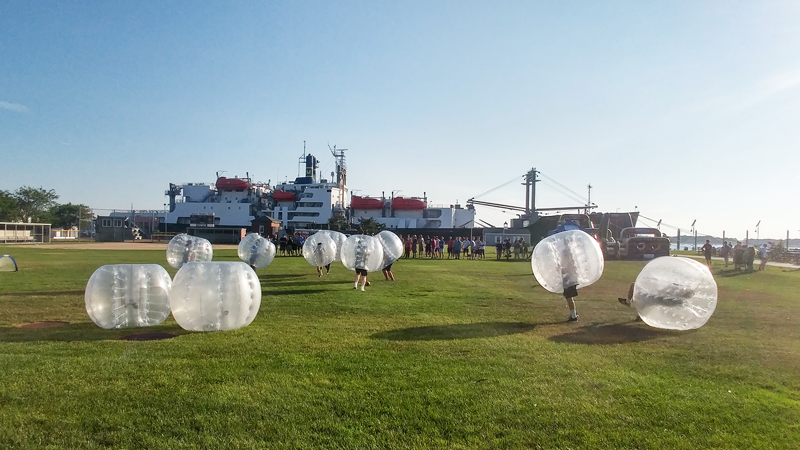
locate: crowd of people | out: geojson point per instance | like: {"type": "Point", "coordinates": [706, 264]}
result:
{"type": "Point", "coordinates": [519, 247]}
{"type": "Point", "coordinates": [742, 256]}
{"type": "Point", "coordinates": [436, 247]}
{"type": "Point", "coordinates": [290, 244]}
{"type": "Point", "coordinates": [432, 247]}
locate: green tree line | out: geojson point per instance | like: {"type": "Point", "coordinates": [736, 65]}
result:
{"type": "Point", "coordinates": [39, 205]}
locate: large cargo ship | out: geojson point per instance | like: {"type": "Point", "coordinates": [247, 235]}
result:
{"type": "Point", "coordinates": [306, 202]}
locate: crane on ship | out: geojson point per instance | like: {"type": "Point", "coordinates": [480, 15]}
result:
{"type": "Point", "coordinates": [530, 211]}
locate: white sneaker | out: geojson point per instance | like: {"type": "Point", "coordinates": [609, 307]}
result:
{"type": "Point", "coordinates": [362, 288]}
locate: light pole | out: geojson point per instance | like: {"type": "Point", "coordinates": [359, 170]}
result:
{"type": "Point", "coordinates": [694, 232]}
{"type": "Point", "coordinates": [505, 227]}
{"type": "Point", "coordinates": [758, 233]}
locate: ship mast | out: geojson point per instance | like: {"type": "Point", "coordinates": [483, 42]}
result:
{"type": "Point", "coordinates": [341, 171]}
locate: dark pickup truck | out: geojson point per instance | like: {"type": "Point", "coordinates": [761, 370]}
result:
{"type": "Point", "coordinates": [642, 243]}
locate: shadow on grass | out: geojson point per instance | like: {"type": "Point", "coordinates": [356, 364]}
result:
{"type": "Point", "coordinates": [72, 292]}
{"type": "Point", "coordinates": [293, 291]}
{"type": "Point", "coordinates": [453, 332]}
{"type": "Point", "coordinates": [313, 281]}
{"type": "Point", "coordinates": [279, 277]}
{"type": "Point", "coordinates": [618, 333]}
{"type": "Point", "coordinates": [79, 332]}
{"type": "Point", "coordinates": [731, 273]}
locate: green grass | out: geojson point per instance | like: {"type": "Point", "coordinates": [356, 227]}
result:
{"type": "Point", "coordinates": [454, 354]}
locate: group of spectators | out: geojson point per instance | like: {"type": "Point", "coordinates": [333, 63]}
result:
{"type": "Point", "coordinates": [743, 256]}
{"type": "Point", "coordinates": [437, 247]}
{"type": "Point", "coordinates": [419, 246]}
{"type": "Point", "coordinates": [519, 247]}
{"type": "Point", "coordinates": [290, 244]}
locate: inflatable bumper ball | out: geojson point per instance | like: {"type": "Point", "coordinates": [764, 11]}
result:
{"type": "Point", "coordinates": [215, 296]}
{"type": "Point", "coordinates": [128, 295]}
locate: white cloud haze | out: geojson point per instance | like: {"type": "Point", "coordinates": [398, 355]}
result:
{"type": "Point", "coordinates": [13, 106]}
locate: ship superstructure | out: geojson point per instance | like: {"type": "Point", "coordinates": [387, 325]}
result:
{"type": "Point", "coordinates": [411, 213]}
{"type": "Point", "coordinates": [306, 202]}
{"type": "Point", "coordinates": [229, 202]}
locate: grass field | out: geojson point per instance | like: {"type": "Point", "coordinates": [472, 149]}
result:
{"type": "Point", "coordinates": [454, 354]}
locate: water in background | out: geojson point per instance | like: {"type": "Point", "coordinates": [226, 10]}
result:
{"type": "Point", "coordinates": [688, 244]}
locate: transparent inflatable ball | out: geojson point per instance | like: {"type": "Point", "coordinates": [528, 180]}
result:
{"type": "Point", "coordinates": [128, 295]}
{"type": "Point", "coordinates": [339, 239]}
{"type": "Point", "coordinates": [215, 296]}
{"type": "Point", "coordinates": [675, 293]}
{"type": "Point", "coordinates": [256, 251]}
{"type": "Point", "coordinates": [392, 246]}
{"type": "Point", "coordinates": [568, 258]}
{"type": "Point", "coordinates": [184, 248]}
{"type": "Point", "coordinates": [360, 251]}
{"type": "Point", "coordinates": [319, 249]}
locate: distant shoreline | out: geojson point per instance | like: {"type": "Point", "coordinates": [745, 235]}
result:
{"type": "Point", "coordinates": [717, 241]}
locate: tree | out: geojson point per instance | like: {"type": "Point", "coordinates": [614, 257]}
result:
{"type": "Point", "coordinates": [69, 215]}
{"type": "Point", "coordinates": [370, 226]}
{"type": "Point", "coordinates": [35, 203]}
{"type": "Point", "coordinates": [9, 209]}
{"type": "Point", "coordinates": [338, 223]}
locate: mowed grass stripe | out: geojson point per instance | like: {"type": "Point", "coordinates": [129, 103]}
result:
{"type": "Point", "coordinates": [455, 354]}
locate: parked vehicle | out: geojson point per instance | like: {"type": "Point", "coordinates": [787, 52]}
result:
{"type": "Point", "coordinates": [642, 244]}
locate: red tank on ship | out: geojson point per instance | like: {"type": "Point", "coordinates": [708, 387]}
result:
{"type": "Point", "coordinates": [408, 204]}
{"type": "Point", "coordinates": [283, 196]}
{"type": "Point", "coordinates": [357, 202]}
{"type": "Point", "coordinates": [231, 184]}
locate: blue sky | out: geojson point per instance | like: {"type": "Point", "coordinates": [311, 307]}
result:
{"type": "Point", "coordinates": [684, 110]}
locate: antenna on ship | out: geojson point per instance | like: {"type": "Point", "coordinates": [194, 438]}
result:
{"type": "Point", "coordinates": [341, 165]}
{"type": "Point", "coordinates": [302, 162]}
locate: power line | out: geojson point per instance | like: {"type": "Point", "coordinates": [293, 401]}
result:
{"type": "Point", "coordinates": [568, 195]}
{"type": "Point", "coordinates": [576, 196]}
{"type": "Point", "coordinates": [556, 182]}
{"type": "Point", "coordinates": [567, 192]}
{"type": "Point", "coordinates": [498, 187]}
{"type": "Point", "coordinates": [674, 227]}
{"type": "Point", "coordinates": [662, 222]}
